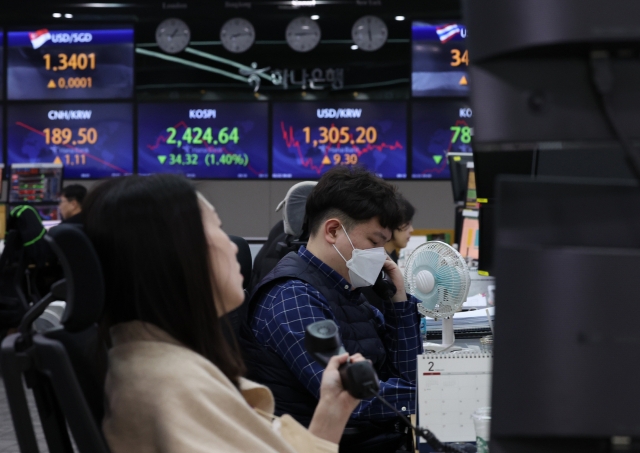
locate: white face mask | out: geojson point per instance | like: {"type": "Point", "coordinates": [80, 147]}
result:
{"type": "Point", "coordinates": [364, 265]}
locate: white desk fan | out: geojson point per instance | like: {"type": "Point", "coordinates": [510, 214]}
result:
{"type": "Point", "coordinates": [438, 276]}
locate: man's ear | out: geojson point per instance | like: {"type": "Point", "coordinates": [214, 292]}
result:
{"type": "Point", "coordinates": [331, 227]}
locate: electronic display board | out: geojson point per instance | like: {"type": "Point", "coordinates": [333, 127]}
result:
{"type": "Point", "coordinates": [1, 63]}
{"type": "Point", "coordinates": [90, 140]}
{"type": "Point", "coordinates": [440, 60]}
{"type": "Point", "coordinates": [438, 128]}
{"type": "Point", "coordinates": [311, 137]}
{"type": "Point", "coordinates": [204, 140]}
{"type": "Point", "coordinates": [47, 64]}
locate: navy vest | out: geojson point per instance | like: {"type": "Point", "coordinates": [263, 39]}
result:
{"type": "Point", "coordinates": [355, 320]}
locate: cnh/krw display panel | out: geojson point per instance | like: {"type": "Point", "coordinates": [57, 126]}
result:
{"type": "Point", "coordinates": [204, 140]}
{"type": "Point", "coordinates": [440, 60]}
{"type": "Point", "coordinates": [57, 64]}
{"type": "Point", "coordinates": [438, 128]}
{"type": "Point", "coordinates": [309, 138]}
{"type": "Point", "coordinates": [91, 140]}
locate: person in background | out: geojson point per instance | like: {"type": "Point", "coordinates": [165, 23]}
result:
{"type": "Point", "coordinates": [350, 215]}
{"type": "Point", "coordinates": [174, 384]}
{"type": "Point", "coordinates": [376, 294]}
{"type": "Point", "coordinates": [402, 234]}
{"type": "Point", "coordinates": [70, 203]}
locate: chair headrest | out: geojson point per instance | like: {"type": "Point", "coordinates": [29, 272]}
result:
{"type": "Point", "coordinates": [244, 258]}
{"type": "Point", "coordinates": [294, 207]}
{"type": "Point", "coordinates": [83, 275]}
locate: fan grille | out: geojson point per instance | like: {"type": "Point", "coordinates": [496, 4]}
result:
{"type": "Point", "coordinates": [451, 278]}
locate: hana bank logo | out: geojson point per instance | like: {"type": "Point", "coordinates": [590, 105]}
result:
{"type": "Point", "coordinates": [40, 37]}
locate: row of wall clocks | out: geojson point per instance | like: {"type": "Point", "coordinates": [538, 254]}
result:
{"type": "Point", "coordinates": [237, 35]}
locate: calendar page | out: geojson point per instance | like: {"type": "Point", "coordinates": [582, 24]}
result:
{"type": "Point", "coordinates": [450, 388]}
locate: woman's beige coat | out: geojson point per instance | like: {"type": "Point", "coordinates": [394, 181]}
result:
{"type": "Point", "coordinates": [163, 397]}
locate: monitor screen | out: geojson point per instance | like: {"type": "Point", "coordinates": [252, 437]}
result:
{"type": "Point", "coordinates": [90, 140]}
{"type": "Point", "coordinates": [204, 140]}
{"type": "Point", "coordinates": [440, 60]}
{"type": "Point", "coordinates": [35, 183]}
{"type": "Point", "coordinates": [48, 64]}
{"type": "Point", "coordinates": [459, 174]}
{"type": "Point", "coordinates": [439, 127]}
{"type": "Point", "coordinates": [1, 63]}
{"type": "Point", "coordinates": [309, 138]}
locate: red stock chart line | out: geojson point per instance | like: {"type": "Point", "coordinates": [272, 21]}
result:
{"type": "Point", "coordinates": [443, 165]}
{"type": "Point", "coordinates": [291, 142]}
{"type": "Point", "coordinates": [162, 139]}
{"type": "Point", "coordinates": [91, 156]}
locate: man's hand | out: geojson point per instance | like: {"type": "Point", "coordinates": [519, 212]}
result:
{"type": "Point", "coordinates": [335, 405]}
{"type": "Point", "coordinates": [393, 271]}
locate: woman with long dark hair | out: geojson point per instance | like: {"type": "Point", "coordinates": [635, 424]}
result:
{"type": "Point", "coordinates": [173, 383]}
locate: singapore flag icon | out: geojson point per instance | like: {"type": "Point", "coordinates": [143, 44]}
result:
{"type": "Point", "coordinates": [38, 38]}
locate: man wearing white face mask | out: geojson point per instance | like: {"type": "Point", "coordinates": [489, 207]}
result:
{"type": "Point", "coordinates": [351, 215]}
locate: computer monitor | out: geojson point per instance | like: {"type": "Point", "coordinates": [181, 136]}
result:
{"type": "Point", "coordinates": [35, 183]}
{"type": "Point", "coordinates": [489, 164]}
{"type": "Point", "coordinates": [459, 174]}
{"type": "Point", "coordinates": [485, 237]}
{"type": "Point", "coordinates": [567, 263]}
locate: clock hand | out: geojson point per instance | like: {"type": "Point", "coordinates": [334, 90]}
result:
{"type": "Point", "coordinates": [174, 32]}
{"type": "Point", "coordinates": [240, 34]}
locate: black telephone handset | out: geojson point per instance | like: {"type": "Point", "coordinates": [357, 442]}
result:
{"type": "Point", "coordinates": [384, 287]}
{"type": "Point", "coordinates": [359, 379]}
{"type": "Point", "coordinates": [323, 342]}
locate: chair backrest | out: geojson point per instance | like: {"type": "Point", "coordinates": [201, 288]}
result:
{"type": "Point", "coordinates": [294, 205]}
{"type": "Point", "coordinates": [62, 365]}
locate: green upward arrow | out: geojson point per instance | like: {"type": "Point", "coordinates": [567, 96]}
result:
{"type": "Point", "coordinates": [438, 159]}
{"type": "Point", "coordinates": [162, 159]}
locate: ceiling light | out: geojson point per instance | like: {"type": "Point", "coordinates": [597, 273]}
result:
{"type": "Point", "coordinates": [57, 15]}
{"type": "Point", "coordinates": [68, 16]}
{"type": "Point", "coordinates": [354, 47]}
{"type": "Point", "coordinates": [400, 18]}
{"type": "Point", "coordinates": [315, 17]}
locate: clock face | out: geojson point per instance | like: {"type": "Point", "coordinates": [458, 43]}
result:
{"type": "Point", "coordinates": [237, 35]}
{"type": "Point", "coordinates": [369, 33]}
{"type": "Point", "coordinates": [303, 34]}
{"type": "Point", "coordinates": [173, 35]}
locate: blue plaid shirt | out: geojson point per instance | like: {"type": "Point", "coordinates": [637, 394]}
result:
{"type": "Point", "coordinates": [283, 313]}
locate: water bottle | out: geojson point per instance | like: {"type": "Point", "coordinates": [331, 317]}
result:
{"type": "Point", "coordinates": [423, 329]}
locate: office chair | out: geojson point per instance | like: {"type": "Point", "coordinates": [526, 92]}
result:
{"type": "Point", "coordinates": [237, 316]}
{"type": "Point", "coordinates": [288, 234]}
{"type": "Point", "coordinates": [60, 365]}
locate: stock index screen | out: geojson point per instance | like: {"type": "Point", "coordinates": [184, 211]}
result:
{"type": "Point", "coordinates": [309, 138]}
{"type": "Point", "coordinates": [439, 127]}
{"type": "Point", "coordinates": [440, 60]}
{"type": "Point", "coordinates": [204, 140]}
{"type": "Point", "coordinates": [47, 64]}
{"type": "Point", "coordinates": [90, 140]}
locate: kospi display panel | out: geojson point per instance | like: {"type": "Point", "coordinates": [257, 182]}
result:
{"type": "Point", "coordinates": [440, 60]}
{"type": "Point", "coordinates": [46, 64]}
{"type": "Point", "coordinates": [439, 127]}
{"type": "Point", "coordinates": [309, 138]}
{"type": "Point", "coordinates": [204, 140]}
{"type": "Point", "coordinates": [90, 140]}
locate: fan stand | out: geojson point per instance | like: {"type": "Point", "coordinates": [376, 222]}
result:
{"type": "Point", "coordinates": [448, 338]}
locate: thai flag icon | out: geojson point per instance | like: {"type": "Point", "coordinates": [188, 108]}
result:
{"type": "Point", "coordinates": [38, 38]}
{"type": "Point", "coordinates": [447, 32]}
